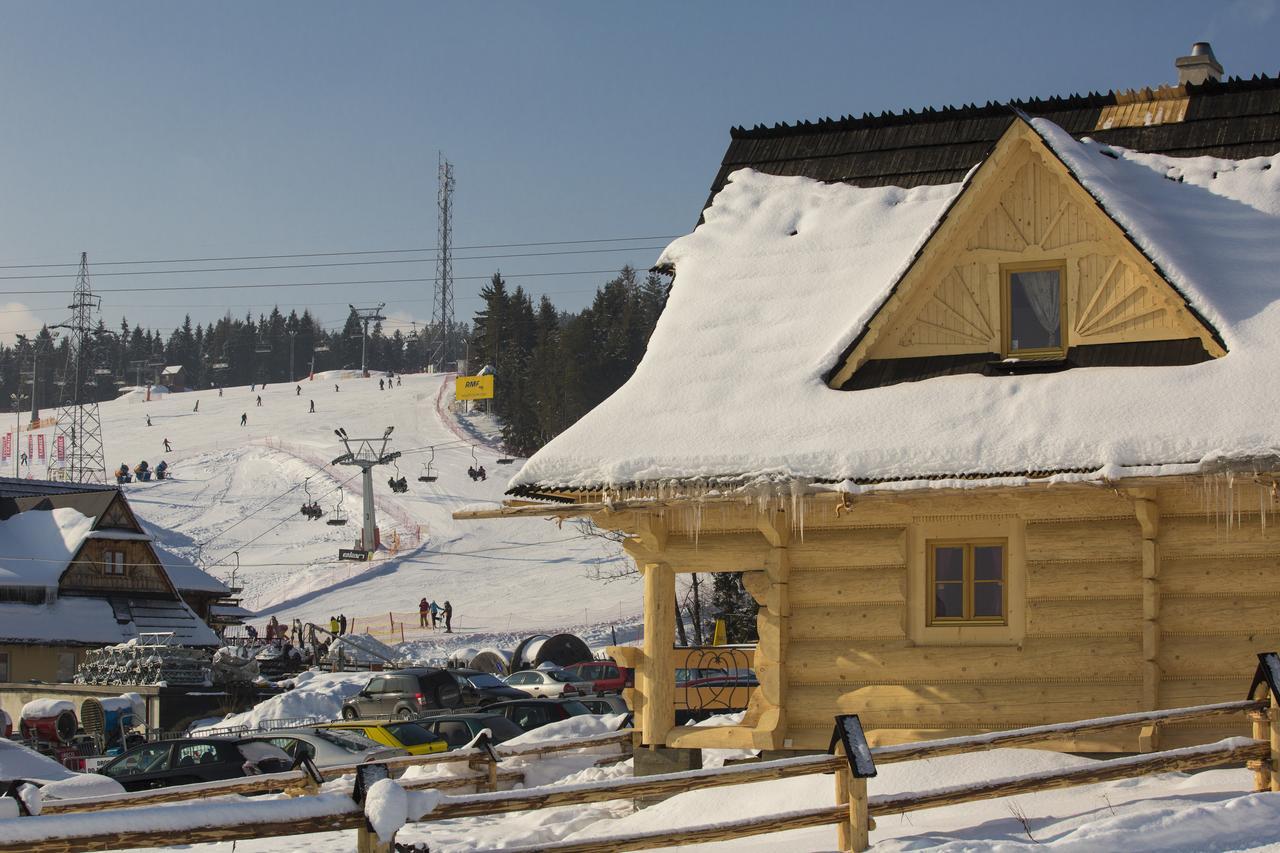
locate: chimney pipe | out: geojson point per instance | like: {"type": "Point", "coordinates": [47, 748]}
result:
{"type": "Point", "coordinates": [1199, 67]}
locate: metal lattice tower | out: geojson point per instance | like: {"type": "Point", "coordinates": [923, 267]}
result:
{"type": "Point", "coordinates": [79, 425]}
{"type": "Point", "coordinates": [365, 454]}
{"type": "Point", "coordinates": [443, 346]}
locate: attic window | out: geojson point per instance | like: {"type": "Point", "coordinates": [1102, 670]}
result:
{"type": "Point", "coordinates": [1034, 310]}
{"type": "Point", "coordinates": [113, 562]}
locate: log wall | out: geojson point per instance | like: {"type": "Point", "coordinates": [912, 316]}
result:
{"type": "Point", "coordinates": [1120, 600]}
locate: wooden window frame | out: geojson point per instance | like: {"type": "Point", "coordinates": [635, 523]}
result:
{"type": "Point", "coordinates": [111, 566]}
{"type": "Point", "coordinates": [1006, 309]}
{"type": "Point", "coordinates": [931, 547]}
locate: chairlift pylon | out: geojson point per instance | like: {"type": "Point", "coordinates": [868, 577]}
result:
{"type": "Point", "coordinates": [428, 475]}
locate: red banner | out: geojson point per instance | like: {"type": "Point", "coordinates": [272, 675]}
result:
{"type": "Point", "coordinates": [40, 446]}
{"type": "Point", "coordinates": [30, 447]}
{"type": "Point", "coordinates": [6, 446]}
{"type": "Point", "coordinates": [60, 447]}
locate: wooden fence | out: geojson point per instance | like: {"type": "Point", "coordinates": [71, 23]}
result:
{"type": "Point", "coordinates": [853, 812]}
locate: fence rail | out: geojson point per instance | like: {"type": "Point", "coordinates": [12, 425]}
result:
{"type": "Point", "coordinates": [853, 813]}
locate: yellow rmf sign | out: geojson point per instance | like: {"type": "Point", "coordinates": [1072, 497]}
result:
{"type": "Point", "coordinates": [474, 387]}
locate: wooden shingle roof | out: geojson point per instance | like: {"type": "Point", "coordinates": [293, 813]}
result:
{"type": "Point", "coordinates": [1235, 119]}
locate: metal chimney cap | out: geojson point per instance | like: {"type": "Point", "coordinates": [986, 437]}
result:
{"type": "Point", "coordinates": [1202, 48]}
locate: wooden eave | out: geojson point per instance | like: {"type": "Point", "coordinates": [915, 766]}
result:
{"type": "Point", "coordinates": [989, 181]}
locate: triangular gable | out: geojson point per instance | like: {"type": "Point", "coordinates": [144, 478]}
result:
{"type": "Point", "coordinates": [1023, 206]}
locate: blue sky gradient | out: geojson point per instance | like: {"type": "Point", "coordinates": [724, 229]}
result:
{"type": "Point", "coordinates": [136, 130]}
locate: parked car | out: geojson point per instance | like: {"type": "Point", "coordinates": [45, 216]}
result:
{"type": "Point", "coordinates": [191, 760]}
{"type": "Point", "coordinates": [460, 729]}
{"type": "Point", "coordinates": [687, 674]}
{"type": "Point", "coordinates": [605, 676]}
{"type": "Point", "coordinates": [332, 747]}
{"type": "Point", "coordinates": [605, 703]}
{"type": "Point", "coordinates": [400, 734]}
{"type": "Point", "coordinates": [404, 694]}
{"type": "Point", "coordinates": [549, 682]}
{"type": "Point", "coordinates": [532, 713]}
{"type": "Point", "coordinates": [483, 688]}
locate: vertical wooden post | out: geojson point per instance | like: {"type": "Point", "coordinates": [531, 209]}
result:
{"type": "Point", "coordinates": [1275, 743]}
{"type": "Point", "coordinates": [853, 835]}
{"type": "Point", "coordinates": [658, 712]}
{"type": "Point", "coordinates": [493, 775]}
{"type": "Point", "coordinates": [367, 841]}
{"type": "Point", "coordinates": [1262, 768]}
{"type": "Point", "coordinates": [1148, 512]}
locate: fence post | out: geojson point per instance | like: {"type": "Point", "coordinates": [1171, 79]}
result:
{"type": "Point", "coordinates": [1275, 742]}
{"type": "Point", "coordinates": [1261, 731]}
{"type": "Point", "coordinates": [849, 742]}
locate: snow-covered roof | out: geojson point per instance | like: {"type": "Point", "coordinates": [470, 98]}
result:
{"type": "Point", "coordinates": [37, 545]}
{"type": "Point", "coordinates": [785, 272]}
{"type": "Point", "coordinates": [173, 368]}
{"type": "Point", "coordinates": [185, 575]}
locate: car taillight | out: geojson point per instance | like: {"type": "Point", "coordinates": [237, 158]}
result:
{"type": "Point", "coordinates": [418, 697]}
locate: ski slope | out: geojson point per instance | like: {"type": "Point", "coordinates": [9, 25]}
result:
{"type": "Point", "coordinates": [236, 493]}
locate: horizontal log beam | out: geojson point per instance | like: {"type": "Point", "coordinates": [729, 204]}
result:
{"type": "Point", "coordinates": [1190, 758]}
{"type": "Point", "coordinates": [1056, 731]}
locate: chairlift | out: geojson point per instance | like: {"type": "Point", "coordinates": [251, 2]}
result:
{"type": "Point", "coordinates": [339, 518]}
{"type": "Point", "coordinates": [505, 460]}
{"type": "Point", "coordinates": [262, 346]}
{"type": "Point", "coordinates": [428, 475]}
{"type": "Point", "coordinates": [102, 371]}
{"type": "Point", "coordinates": [321, 347]}
{"type": "Point", "coordinates": [398, 484]}
{"type": "Point", "coordinates": [310, 507]}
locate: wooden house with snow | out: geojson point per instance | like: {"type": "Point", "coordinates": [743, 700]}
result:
{"type": "Point", "coordinates": [79, 571]}
{"type": "Point", "coordinates": [983, 401]}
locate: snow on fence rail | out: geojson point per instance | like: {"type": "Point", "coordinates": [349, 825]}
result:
{"type": "Point", "coordinates": [853, 813]}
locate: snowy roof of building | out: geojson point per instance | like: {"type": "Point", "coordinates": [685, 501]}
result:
{"type": "Point", "coordinates": [93, 620]}
{"type": "Point", "coordinates": [186, 575]}
{"type": "Point", "coordinates": [785, 273]}
{"type": "Point", "coordinates": [173, 368]}
{"type": "Point", "coordinates": [36, 546]}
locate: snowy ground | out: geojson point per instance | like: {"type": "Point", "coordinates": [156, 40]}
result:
{"type": "Point", "coordinates": [504, 578]}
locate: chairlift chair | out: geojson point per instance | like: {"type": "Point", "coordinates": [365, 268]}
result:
{"type": "Point", "coordinates": [339, 518]}
{"type": "Point", "coordinates": [428, 475]}
{"type": "Point", "coordinates": [310, 507]}
{"type": "Point", "coordinates": [398, 484]}
{"type": "Point", "coordinates": [320, 348]}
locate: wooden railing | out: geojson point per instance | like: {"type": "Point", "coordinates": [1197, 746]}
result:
{"type": "Point", "coordinates": [853, 812]}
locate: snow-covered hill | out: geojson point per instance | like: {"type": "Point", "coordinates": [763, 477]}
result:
{"type": "Point", "coordinates": [236, 494]}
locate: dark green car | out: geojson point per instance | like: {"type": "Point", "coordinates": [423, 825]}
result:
{"type": "Point", "coordinates": [460, 729]}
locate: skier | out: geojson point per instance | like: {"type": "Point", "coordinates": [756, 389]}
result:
{"type": "Point", "coordinates": [244, 418]}
{"type": "Point", "coordinates": [435, 614]}
{"type": "Point", "coordinates": [297, 391]}
{"type": "Point", "coordinates": [380, 388]}
{"type": "Point", "coordinates": [259, 401]}
{"type": "Point", "coordinates": [313, 407]}
{"type": "Point", "coordinates": [219, 392]}
{"type": "Point", "coordinates": [424, 613]}
{"type": "Point", "coordinates": [397, 381]}
{"type": "Point", "coordinates": [333, 625]}
{"type": "Point", "coordinates": [253, 387]}
{"type": "Point", "coordinates": [342, 623]}
{"type": "Point", "coordinates": [197, 408]}
{"type": "Point", "coordinates": [448, 617]}
{"type": "Point", "coordinates": [335, 387]}
{"type": "Point", "coordinates": [148, 420]}
{"type": "Point", "coordinates": [167, 447]}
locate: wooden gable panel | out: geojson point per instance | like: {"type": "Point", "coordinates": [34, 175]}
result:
{"type": "Point", "coordinates": [1023, 207]}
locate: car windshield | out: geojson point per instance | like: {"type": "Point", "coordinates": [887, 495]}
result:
{"type": "Point", "coordinates": [502, 728]}
{"type": "Point", "coordinates": [574, 708]}
{"type": "Point", "coordinates": [350, 741]}
{"type": "Point", "coordinates": [485, 680]}
{"type": "Point", "coordinates": [410, 734]}
{"type": "Point", "coordinates": [561, 675]}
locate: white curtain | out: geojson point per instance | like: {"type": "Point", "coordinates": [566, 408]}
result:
{"type": "Point", "coordinates": [1045, 299]}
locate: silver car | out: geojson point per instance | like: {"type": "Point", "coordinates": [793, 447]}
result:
{"type": "Point", "coordinates": [551, 683]}
{"type": "Point", "coordinates": [331, 747]}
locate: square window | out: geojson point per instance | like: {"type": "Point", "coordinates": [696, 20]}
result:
{"type": "Point", "coordinates": [968, 581]}
{"type": "Point", "coordinates": [1034, 311]}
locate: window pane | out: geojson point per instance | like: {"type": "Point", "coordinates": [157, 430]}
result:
{"type": "Point", "coordinates": [1035, 303]}
{"type": "Point", "coordinates": [948, 564]}
{"type": "Point", "coordinates": [948, 600]}
{"type": "Point", "coordinates": [988, 563]}
{"type": "Point", "coordinates": [988, 599]}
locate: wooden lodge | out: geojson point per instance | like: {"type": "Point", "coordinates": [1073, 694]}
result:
{"type": "Point", "coordinates": [79, 571]}
{"type": "Point", "coordinates": [981, 401]}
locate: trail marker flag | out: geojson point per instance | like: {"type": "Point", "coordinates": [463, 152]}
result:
{"type": "Point", "coordinates": [474, 387]}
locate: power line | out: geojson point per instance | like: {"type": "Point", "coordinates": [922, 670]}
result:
{"type": "Point", "coordinates": [187, 287]}
{"type": "Point", "coordinates": [430, 260]}
{"type": "Point", "coordinates": [344, 254]}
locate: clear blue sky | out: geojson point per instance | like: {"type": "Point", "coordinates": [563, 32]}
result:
{"type": "Point", "coordinates": [138, 130]}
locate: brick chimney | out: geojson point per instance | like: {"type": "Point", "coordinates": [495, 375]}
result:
{"type": "Point", "coordinates": [1200, 66]}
